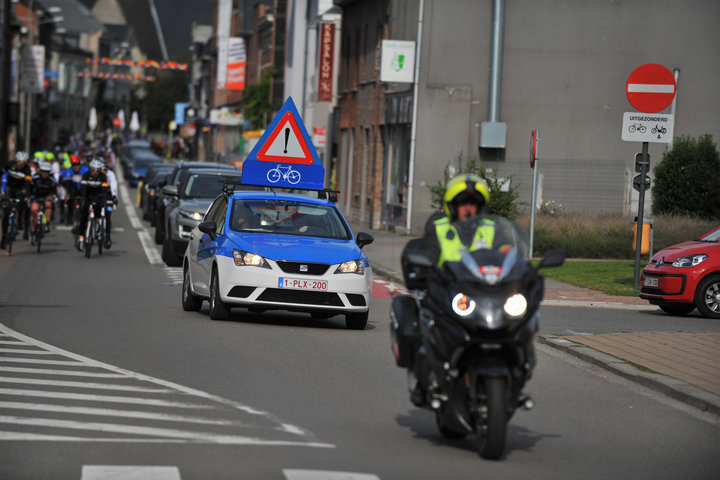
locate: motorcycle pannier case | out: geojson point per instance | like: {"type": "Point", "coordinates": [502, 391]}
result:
{"type": "Point", "coordinates": [404, 330]}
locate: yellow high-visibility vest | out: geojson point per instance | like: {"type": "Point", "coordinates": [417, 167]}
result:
{"type": "Point", "coordinates": [450, 244]}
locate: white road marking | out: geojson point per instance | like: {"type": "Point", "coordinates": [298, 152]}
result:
{"type": "Point", "coordinates": [102, 386]}
{"type": "Point", "coordinates": [294, 474]}
{"type": "Point", "coordinates": [71, 373]}
{"type": "Point", "coordinates": [26, 352]}
{"type": "Point", "coordinates": [99, 398]}
{"type": "Point", "coordinates": [128, 472]}
{"type": "Point", "coordinates": [41, 360]}
{"type": "Point", "coordinates": [148, 245]}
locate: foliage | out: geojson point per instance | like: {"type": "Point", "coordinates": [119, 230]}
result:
{"type": "Point", "coordinates": [550, 208]}
{"type": "Point", "coordinates": [614, 277]}
{"type": "Point", "coordinates": [157, 106]}
{"type": "Point", "coordinates": [687, 180]}
{"type": "Point", "coordinates": [502, 203]}
{"type": "Point", "coordinates": [608, 236]}
{"type": "Point", "coordinates": [256, 101]}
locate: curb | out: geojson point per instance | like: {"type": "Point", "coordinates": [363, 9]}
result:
{"type": "Point", "coordinates": [674, 388]}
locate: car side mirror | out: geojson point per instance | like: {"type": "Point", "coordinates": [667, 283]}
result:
{"type": "Point", "coordinates": [171, 190]}
{"type": "Point", "coordinates": [208, 227]}
{"type": "Point", "coordinates": [364, 238]}
{"type": "Point", "coordinates": [553, 258]}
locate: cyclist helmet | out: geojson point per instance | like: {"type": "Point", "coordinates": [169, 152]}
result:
{"type": "Point", "coordinates": [74, 160]}
{"type": "Point", "coordinates": [21, 156]}
{"type": "Point", "coordinates": [96, 164]}
{"type": "Point", "coordinates": [44, 166]}
{"type": "Point", "coordinates": [465, 188]}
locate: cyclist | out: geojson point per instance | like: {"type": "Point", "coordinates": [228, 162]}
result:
{"type": "Point", "coordinates": [71, 182]}
{"type": "Point", "coordinates": [44, 190]}
{"type": "Point", "coordinates": [94, 193]}
{"type": "Point", "coordinates": [16, 183]}
{"type": "Point", "coordinates": [112, 182]}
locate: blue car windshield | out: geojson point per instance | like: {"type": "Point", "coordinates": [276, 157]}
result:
{"type": "Point", "coordinates": [287, 217]}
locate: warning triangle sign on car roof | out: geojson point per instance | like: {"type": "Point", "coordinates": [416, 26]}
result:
{"type": "Point", "coordinates": [284, 156]}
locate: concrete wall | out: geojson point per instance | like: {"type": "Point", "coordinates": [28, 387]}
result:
{"type": "Point", "coordinates": [565, 66]}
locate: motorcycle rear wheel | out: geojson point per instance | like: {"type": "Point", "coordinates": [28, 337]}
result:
{"type": "Point", "coordinates": [492, 431]}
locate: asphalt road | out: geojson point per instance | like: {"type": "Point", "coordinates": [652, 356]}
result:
{"type": "Point", "coordinates": [102, 373]}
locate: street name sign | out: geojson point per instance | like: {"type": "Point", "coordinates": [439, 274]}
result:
{"type": "Point", "coordinates": [650, 88]}
{"type": "Point", "coordinates": [643, 127]}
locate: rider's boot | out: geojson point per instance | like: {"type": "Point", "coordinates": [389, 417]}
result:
{"type": "Point", "coordinates": [108, 242]}
{"type": "Point", "coordinates": [2, 243]}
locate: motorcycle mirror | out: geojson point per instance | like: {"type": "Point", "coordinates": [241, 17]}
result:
{"type": "Point", "coordinates": [553, 258]}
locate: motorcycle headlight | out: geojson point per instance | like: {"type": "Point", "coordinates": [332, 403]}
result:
{"type": "Point", "coordinates": [463, 305]}
{"type": "Point", "coordinates": [353, 266]}
{"type": "Point", "coordinates": [690, 260]}
{"type": "Point", "coordinates": [516, 306]}
{"type": "Point", "coordinates": [249, 259]}
{"type": "Point", "coordinates": [192, 215]}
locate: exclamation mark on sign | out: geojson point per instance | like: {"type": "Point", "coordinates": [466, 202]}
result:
{"type": "Point", "coordinates": [287, 137]}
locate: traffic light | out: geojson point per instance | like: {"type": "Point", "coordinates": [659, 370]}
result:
{"type": "Point", "coordinates": [190, 114]}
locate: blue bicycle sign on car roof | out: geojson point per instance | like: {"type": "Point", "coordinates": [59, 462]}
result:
{"type": "Point", "coordinates": [285, 156]}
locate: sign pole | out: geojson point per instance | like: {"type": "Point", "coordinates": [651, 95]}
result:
{"type": "Point", "coordinates": [641, 208]}
{"type": "Point", "coordinates": [533, 205]}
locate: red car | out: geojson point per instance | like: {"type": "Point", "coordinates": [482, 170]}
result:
{"type": "Point", "coordinates": [685, 276]}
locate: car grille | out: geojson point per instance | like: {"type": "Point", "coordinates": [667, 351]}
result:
{"type": "Point", "coordinates": [282, 295]}
{"type": "Point", "coordinates": [241, 291]}
{"type": "Point", "coordinates": [295, 267]}
{"type": "Point", "coordinates": [356, 300]}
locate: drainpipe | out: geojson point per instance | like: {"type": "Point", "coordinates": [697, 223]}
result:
{"type": "Point", "coordinates": [413, 130]}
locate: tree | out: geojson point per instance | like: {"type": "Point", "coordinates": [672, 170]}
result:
{"type": "Point", "coordinates": [503, 195]}
{"type": "Point", "coordinates": [157, 107]}
{"type": "Point", "coordinates": [686, 179]}
{"type": "Point", "coordinates": [256, 101]}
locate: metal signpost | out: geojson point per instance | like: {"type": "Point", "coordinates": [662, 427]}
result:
{"type": "Point", "coordinates": [533, 160]}
{"type": "Point", "coordinates": [649, 88]}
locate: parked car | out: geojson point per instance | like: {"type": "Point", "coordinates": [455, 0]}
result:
{"type": "Point", "coordinates": [267, 250]}
{"type": "Point", "coordinates": [140, 165]}
{"type": "Point", "coordinates": [149, 187]}
{"type": "Point", "coordinates": [126, 152]}
{"type": "Point", "coordinates": [187, 204]}
{"type": "Point", "coordinates": [685, 276]}
{"type": "Point", "coordinates": [174, 178]}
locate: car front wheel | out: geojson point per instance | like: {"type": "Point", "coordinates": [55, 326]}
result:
{"type": "Point", "coordinates": [356, 321]}
{"type": "Point", "coordinates": [190, 301]}
{"type": "Point", "coordinates": [218, 309]}
{"type": "Point", "coordinates": [707, 297]}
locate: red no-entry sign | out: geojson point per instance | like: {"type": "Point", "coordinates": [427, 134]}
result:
{"type": "Point", "coordinates": [650, 88]}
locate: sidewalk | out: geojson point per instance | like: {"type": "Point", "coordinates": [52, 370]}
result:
{"type": "Point", "coordinates": [684, 366]}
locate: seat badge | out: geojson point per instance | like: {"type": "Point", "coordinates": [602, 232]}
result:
{"type": "Point", "coordinates": [659, 262]}
{"type": "Point", "coordinates": [303, 268]}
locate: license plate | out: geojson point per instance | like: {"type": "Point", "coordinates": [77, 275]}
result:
{"type": "Point", "coordinates": [650, 282]}
{"type": "Point", "coordinates": [303, 284]}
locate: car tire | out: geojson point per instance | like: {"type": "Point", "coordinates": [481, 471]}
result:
{"type": "Point", "coordinates": [158, 234]}
{"type": "Point", "coordinates": [169, 256]}
{"type": "Point", "coordinates": [218, 309]}
{"type": "Point", "coordinates": [680, 309]}
{"type": "Point", "coordinates": [707, 297]}
{"type": "Point", "coordinates": [356, 321]}
{"type": "Point", "coordinates": [190, 301]}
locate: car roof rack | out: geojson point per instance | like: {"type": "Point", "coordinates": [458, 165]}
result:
{"type": "Point", "coordinates": [325, 193]}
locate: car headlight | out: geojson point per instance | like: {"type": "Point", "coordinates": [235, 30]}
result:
{"type": "Point", "coordinates": [690, 260]}
{"type": "Point", "coordinates": [463, 305]}
{"type": "Point", "coordinates": [516, 306]}
{"type": "Point", "coordinates": [192, 215]}
{"type": "Point", "coordinates": [353, 266]}
{"type": "Point", "coordinates": [248, 259]}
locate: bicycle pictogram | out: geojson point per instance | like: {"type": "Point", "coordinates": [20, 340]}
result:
{"type": "Point", "coordinates": [286, 173]}
{"type": "Point", "coordinates": [637, 126]}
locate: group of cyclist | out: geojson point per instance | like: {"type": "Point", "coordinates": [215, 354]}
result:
{"type": "Point", "coordinates": [70, 183]}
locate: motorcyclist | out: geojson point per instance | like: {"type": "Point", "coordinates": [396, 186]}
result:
{"type": "Point", "coordinates": [16, 183]}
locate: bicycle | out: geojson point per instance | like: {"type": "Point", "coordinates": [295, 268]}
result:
{"type": "Point", "coordinates": [286, 173]}
{"type": "Point", "coordinates": [12, 219]}
{"type": "Point", "coordinates": [95, 228]}
{"type": "Point", "coordinates": [40, 226]}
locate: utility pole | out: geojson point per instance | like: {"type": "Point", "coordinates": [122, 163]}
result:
{"type": "Point", "coordinates": [5, 91]}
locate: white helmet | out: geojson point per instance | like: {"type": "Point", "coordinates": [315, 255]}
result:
{"type": "Point", "coordinates": [44, 166]}
{"type": "Point", "coordinates": [95, 164]}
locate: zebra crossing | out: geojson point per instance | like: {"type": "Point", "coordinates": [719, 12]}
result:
{"type": "Point", "coordinates": [48, 394]}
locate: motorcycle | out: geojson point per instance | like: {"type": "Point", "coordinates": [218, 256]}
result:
{"type": "Point", "coordinates": [466, 333]}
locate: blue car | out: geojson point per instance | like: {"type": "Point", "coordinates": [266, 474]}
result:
{"type": "Point", "coordinates": [266, 250]}
{"type": "Point", "coordinates": [140, 166]}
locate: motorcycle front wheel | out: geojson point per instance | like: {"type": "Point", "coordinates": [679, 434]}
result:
{"type": "Point", "coordinates": [491, 431]}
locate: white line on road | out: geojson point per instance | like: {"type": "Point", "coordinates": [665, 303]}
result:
{"type": "Point", "coordinates": [99, 398]}
{"type": "Point", "coordinates": [129, 472]}
{"type": "Point", "coordinates": [148, 245]}
{"type": "Point", "coordinates": [71, 373]}
{"type": "Point", "coordinates": [41, 360]}
{"type": "Point", "coordinates": [102, 386]}
{"type": "Point", "coordinates": [294, 474]}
